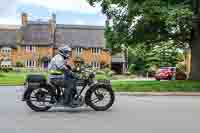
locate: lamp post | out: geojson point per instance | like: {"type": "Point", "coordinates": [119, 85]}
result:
{"type": "Point", "coordinates": [125, 57]}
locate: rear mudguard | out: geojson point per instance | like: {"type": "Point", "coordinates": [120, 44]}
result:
{"type": "Point", "coordinates": [30, 88]}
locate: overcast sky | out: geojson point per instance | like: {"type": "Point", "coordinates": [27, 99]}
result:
{"type": "Point", "coordinates": [67, 11]}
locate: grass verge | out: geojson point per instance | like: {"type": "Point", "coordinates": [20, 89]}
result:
{"type": "Point", "coordinates": [156, 86]}
{"type": "Point", "coordinates": [15, 79]}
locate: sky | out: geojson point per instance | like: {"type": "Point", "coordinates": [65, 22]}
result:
{"type": "Point", "coordinates": [67, 11]}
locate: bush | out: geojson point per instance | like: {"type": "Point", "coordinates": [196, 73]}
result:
{"type": "Point", "coordinates": [127, 73]}
{"type": "Point", "coordinates": [181, 68]}
{"type": "Point", "coordinates": [131, 68]}
{"type": "Point", "coordinates": [100, 72]}
{"type": "Point", "coordinates": [6, 69]}
{"type": "Point", "coordinates": [152, 73]}
{"type": "Point", "coordinates": [19, 64]}
{"type": "Point", "coordinates": [181, 76]}
{"type": "Point", "coordinates": [111, 73]}
{"type": "Point", "coordinates": [181, 72]}
{"type": "Point", "coordinates": [106, 72]}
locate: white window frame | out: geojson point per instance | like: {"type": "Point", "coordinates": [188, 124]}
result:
{"type": "Point", "coordinates": [30, 48]}
{"type": "Point", "coordinates": [30, 63]}
{"type": "Point", "coordinates": [6, 63]}
{"type": "Point", "coordinates": [78, 51]}
{"type": "Point", "coordinates": [95, 64]}
{"type": "Point", "coordinates": [6, 50]}
{"type": "Point", "coordinates": [96, 50]}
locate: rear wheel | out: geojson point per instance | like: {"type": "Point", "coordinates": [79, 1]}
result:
{"type": "Point", "coordinates": [39, 99]}
{"type": "Point", "coordinates": [100, 97]}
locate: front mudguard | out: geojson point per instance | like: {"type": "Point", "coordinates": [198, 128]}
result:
{"type": "Point", "coordinates": [94, 86]}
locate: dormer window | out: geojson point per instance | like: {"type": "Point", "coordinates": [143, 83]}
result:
{"type": "Point", "coordinates": [6, 50]}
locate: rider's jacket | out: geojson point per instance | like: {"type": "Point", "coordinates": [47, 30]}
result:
{"type": "Point", "coordinates": [56, 66]}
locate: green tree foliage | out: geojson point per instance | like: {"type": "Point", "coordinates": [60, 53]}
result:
{"type": "Point", "coordinates": [143, 59]}
{"type": "Point", "coordinates": [148, 27]}
{"type": "Point", "coordinates": [147, 21]}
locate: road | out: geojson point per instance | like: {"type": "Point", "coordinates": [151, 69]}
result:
{"type": "Point", "coordinates": [129, 115]}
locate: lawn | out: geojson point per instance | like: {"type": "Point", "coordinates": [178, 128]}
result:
{"type": "Point", "coordinates": [13, 78]}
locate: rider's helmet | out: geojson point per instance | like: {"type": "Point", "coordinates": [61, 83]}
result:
{"type": "Point", "coordinates": [65, 51]}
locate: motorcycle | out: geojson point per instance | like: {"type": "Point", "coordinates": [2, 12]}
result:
{"type": "Point", "coordinates": [41, 94]}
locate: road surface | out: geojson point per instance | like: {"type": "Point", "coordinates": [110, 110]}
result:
{"type": "Point", "coordinates": [129, 114]}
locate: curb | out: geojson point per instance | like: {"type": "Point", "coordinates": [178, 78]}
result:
{"type": "Point", "coordinates": [158, 93]}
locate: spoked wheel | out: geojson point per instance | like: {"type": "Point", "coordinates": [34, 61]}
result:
{"type": "Point", "coordinates": [39, 99]}
{"type": "Point", "coordinates": [100, 98]}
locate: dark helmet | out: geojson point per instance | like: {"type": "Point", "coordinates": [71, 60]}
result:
{"type": "Point", "coordinates": [65, 51]}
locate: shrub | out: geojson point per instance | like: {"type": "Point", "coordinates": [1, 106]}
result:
{"type": "Point", "coordinates": [100, 72]}
{"type": "Point", "coordinates": [6, 69]}
{"type": "Point", "coordinates": [127, 73]}
{"type": "Point", "coordinates": [105, 72]}
{"type": "Point", "coordinates": [131, 68]}
{"type": "Point", "coordinates": [110, 74]}
{"type": "Point", "coordinates": [151, 73]}
{"type": "Point", "coordinates": [181, 67]}
{"type": "Point", "coordinates": [19, 64]}
{"type": "Point", "coordinates": [181, 76]}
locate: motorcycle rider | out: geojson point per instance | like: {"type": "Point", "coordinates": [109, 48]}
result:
{"type": "Point", "coordinates": [59, 68]}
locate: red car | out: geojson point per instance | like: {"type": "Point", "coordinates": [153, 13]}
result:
{"type": "Point", "coordinates": [165, 73]}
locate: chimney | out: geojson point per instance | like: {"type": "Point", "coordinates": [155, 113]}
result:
{"type": "Point", "coordinates": [24, 19]}
{"type": "Point", "coordinates": [52, 27]}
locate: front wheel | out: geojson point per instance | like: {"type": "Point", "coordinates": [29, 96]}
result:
{"type": "Point", "coordinates": [100, 97]}
{"type": "Point", "coordinates": [39, 99]}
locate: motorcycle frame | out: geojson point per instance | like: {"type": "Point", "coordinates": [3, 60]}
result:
{"type": "Point", "coordinates": [86, 82]}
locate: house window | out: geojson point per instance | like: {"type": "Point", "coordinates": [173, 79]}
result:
{"type": "Point", "coordinates": [78, 51]}
{"type": "Point", "coordinates": [30, 63]}
{"type": "Point", "coordinates": [6, 50]}
{"type": "Point", "coordinates": [6, 63]}
{"type": "Point", "coordinates": [30, 48]}
{"type": "Point", "coordinates": [96, 50]}
{"type": "Point", "coordinates": [95, 64]}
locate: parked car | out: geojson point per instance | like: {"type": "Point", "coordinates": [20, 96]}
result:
{"type": "Point", "coordinates": [165, 73]}
{"type": "Point", "coordinates": [168, 73]}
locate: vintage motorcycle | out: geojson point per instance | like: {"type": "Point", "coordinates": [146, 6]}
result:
{"type": "Point", "coordinates": [41, 94]}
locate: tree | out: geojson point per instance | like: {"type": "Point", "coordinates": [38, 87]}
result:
{"type": "Point", "coordinates": [195, 40]}
{"type": "Point", "coordinates": [145, 60]}
{"type": "Point", "coordinates": [149, 22]}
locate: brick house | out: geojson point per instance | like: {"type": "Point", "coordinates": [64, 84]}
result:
{"type": "Point", "coordinates": [7, 45]}
{"type": "Point", "coordinates": [34, 43]}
